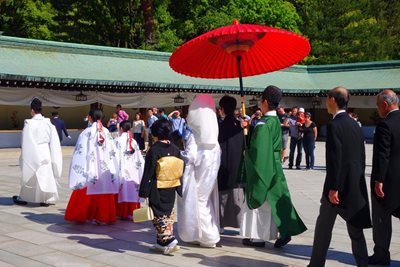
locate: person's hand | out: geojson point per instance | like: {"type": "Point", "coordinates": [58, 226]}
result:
{"type": "Point", "coordinates": [69, 137]}
{"type": "Point", "coordinates": [334, 197]}
{"type": "Point", "coordinates": [379, 189]}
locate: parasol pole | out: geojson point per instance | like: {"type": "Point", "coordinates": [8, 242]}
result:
{"type": "Point", "coordinates": [243, 105]}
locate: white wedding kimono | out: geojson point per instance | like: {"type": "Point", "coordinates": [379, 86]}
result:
{"type": "Point", "coordinates": [198, 209]}
{"type": "Point", "coordinates": [94, 166]}
{"type": "Point", "coordinates": [41, 161]}
{"type": "Point", "coordinates": [130, 167]}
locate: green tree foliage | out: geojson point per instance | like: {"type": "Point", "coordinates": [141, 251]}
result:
{"type": "Point", "coordinates": [344, 31]}
{"type": "Point", "coordinates": [28, 18]}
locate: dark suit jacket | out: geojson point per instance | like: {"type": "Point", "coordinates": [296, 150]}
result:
{"type": "Point", "coordinates": [386, 161]}
{"type": "Point", "coordinates": [231, 140]}
{"type": "Point", "coordinates": [345, 170]}
{"type": "Point", "coordinates": [60, 126]}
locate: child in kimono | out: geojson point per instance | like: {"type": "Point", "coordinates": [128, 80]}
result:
{"type": "Point", "coordinates": [163, 170]}
{"type": "Point", "coordinates": [130, 167]}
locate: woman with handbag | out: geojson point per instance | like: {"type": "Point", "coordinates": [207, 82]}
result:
{"type": "Point", "coordinates": [130, 168]}
{"type": "Point", "coordinates": [139, 130]}
{"type": "Point", "coordinates": [163, 170]}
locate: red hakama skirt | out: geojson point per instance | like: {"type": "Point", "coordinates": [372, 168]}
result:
{"type": "Point", "coordinates": [96, 208]}
{"type": "Point", "coordinates": [125, 209]}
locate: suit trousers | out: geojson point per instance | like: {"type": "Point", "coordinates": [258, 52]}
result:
{"type": "Point", "coordinates": [295, 142]}
{"type": "Point", "coordinates": [381, 230]}
{"type": "Point", "coordinates": [323, 234]}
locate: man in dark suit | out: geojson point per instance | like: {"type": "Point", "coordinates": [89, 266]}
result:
{"type": "Point", "coordinates": [60, 125]}
{"type": "Point", "coordinates": [345, 189]}
{"type": "Point", "coordinates": [385, 178]}
{"type": "Point", "coordinates": [231, 140]}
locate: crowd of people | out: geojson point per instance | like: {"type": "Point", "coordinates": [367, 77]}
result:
{"type": "Point", "coordinates": [222, 178]}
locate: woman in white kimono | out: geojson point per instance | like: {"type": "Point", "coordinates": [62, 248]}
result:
{"type": "Point", "coordinates": [198, 210]}
{"type": "Point", "coordinates": [93, 175]}
{"type": "Point", "coordinates": [130, 167]}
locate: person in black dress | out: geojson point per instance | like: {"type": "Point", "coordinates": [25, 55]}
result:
{"type": "Point", "coordinates": [309, 130]}
{"type": "Point", "coordinates": [163, 170]}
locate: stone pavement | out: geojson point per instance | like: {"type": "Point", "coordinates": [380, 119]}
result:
{"type": "Point", "coordinates": [39, 236]}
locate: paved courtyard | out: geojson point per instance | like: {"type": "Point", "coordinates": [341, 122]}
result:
{"type": "Point", "coordinates": [39, 236]}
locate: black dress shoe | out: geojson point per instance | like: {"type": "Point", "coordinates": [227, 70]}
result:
{"type": "Point", "coordinates": [248, 242]}
{"type": "Point", "coordinates": [280, 242]}
{"type": "Point", "coordinates": [373, 260]}
{"type": "Point", "coordinates": [18, 201]}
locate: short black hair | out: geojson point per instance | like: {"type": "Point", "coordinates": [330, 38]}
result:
{"type": "Point", "coordinates": [228, 103]}
{"type": "Point", "coordinates": [273, 95]}
{"type": "Point", "coordinates": [119, 106]}
{"type": "Point", "coordinates": [36, 105]}
{"type": "Point", "coordinates": [161, 110]}
{"type": "Point", "coordinates": [161, 129]}
{"type": "Point", "coordinates": [341, 96]}
{"type": "Point", "coordinates": [54, 113]}
{"type": "Point", "coordinates": [95, 114]}
{"type": "Point", "coordinates": [125, 125]}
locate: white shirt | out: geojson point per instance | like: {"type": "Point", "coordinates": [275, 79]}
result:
{"type": "Point", "coordinates": [340, 111]}
{"type": "Point", "coordinates": [271, 113]}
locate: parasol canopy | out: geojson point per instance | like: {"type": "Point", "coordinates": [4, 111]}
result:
{"type": "Point", "coordinates": [239, 50]}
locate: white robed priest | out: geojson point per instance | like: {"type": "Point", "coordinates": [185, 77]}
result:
{"type": "Point", "coordinates": [41, 159]}
{"type": "Point", "coordinates": [198, 210]}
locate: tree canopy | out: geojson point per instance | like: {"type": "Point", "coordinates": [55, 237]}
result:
{"type": "Point", "coordinates": [339, 31]}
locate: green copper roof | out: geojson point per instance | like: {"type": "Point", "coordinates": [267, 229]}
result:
{"type": "Point", "coordinates": [46, 64]}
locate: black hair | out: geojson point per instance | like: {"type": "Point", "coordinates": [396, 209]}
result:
{"type": "Point", "coordinates": [119, 106]}
{"type": "Point", "coordinates": [341, 96]}
{"type": "Point", "coordinates": [36, 105]}
{"type": "Point", "coordinates": [161, 110]}
{"type": "Point", "coordinates": [125, 125]}
{"type": "Point", "coordinates": [54, 113]}
{"type": "Point", "coordinates": [228, 104]}
{"type": "Point", "coordinates": [95, 114]}
{"type": "Point", "coordinates": [273, 95]}
{"type": "Point", "coordinates": [161, 129]}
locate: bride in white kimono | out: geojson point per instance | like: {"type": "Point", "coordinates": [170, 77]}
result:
{"type": "Point", "coordinates": [41, 159]}
{"type": "Point", "coordinates": [198, 210]}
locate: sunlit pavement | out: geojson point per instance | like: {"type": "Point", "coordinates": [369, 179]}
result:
{"type": "Point", "coordinates": [39, 236]}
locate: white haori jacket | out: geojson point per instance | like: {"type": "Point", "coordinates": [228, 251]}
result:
{"type": "Point", "coordinates": [130, 168]}
{"type": "Point", "coordinates": [41, 160]}
{"type": "Point", "coordinates": [93, 165]}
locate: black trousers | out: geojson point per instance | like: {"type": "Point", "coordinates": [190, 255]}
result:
{"type": "Point", "coordinates": [381, 230]}
{"type": "Point", "coordinates": [295, 142]}
{"type": "Point", "coordinates": [323, 235]}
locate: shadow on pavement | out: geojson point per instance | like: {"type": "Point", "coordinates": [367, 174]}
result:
{"type": "Point", "coordinates": [231, 260]}
{"type": "Point", "coordinates": [6, 201]}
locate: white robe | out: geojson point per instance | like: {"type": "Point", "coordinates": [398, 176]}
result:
{"type": "Point", "coordinates": [258, 223]}
{"type": "Point", "coordinates": [130, 167]}
{"type": "Point", "coordinates": [94, 166]}
{"type": "Point", "coordinates": [198, 210]}
{"type": "Point", "coordinates": [41, 161]}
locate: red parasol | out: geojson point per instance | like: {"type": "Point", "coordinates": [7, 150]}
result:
{"type": "Point", "coordinates": [239, 50]}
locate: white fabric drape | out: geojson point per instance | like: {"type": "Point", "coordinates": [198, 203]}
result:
{"type": "Point", "coordinates": [198, 214]}
{"type": "Point", "coordinates": [41, 160]}
{"type": "Point", "coordinates": [130, 167]}
{"type": "Point", "coordinates": [258, 223]}
{"type": "Point", "coordinates": [198, 211]}
{"type": "Point", "coordinates": [94, 166]}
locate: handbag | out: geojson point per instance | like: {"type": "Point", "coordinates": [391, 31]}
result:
{"type": "Point", "coordinates": [143, 214]}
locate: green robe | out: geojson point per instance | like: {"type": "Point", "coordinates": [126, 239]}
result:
{"type": "Point", "coordinates": [264, 178]}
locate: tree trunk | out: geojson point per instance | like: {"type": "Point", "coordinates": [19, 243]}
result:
{"type": "Point", "coordinates": [149, 25]}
